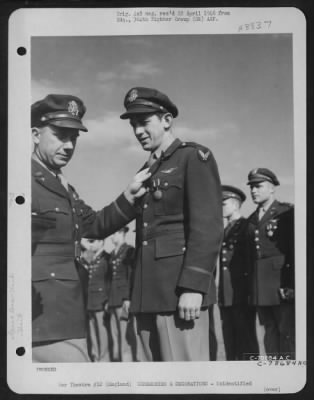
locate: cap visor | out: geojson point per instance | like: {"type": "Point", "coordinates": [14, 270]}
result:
{"type": "Point", "coordinates": [139, 110]}
{"type": "Point", "coordinates": [69, 123]}
{"type": "Point", "coordinates": [257, 180]}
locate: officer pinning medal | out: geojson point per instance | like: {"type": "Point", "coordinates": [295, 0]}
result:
{"type": "Point", "coordinates": [59, 220]}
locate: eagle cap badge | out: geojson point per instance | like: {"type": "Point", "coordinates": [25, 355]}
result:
{"type": "Point", "coordinates": [132, 96]}
{"type": "Point", "coordinates": [73, 108]}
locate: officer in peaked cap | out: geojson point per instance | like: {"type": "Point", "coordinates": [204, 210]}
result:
{"type": "Point", "coordinates": [232, 192]}
{"type": "Point", "coordinates": [262, 175]}
{"type": "Point", "coordinates": [238, 318]}
{"type": "Point", "coordinates": [178, 235]}
{"type": "Point", "coordinates": [59, 219]}
{"type": "Point", "coordinates": [59, 110]}
{"type": "Point", "coordinates": [143, 100]}
{"type": "Point", "coordinates": [271, 252]}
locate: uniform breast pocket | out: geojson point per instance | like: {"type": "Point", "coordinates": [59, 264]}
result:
{"type": "Point", "coordinates": [53, 209]}
{"type": "Point", "coordinates": [171, 201]}
{"type": "Point", "coordinates": [61, 213]}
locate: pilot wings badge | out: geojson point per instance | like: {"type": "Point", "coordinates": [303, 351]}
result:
{"type": "Point", "coordinates": [168, 171]}
{"type": "Point", "coordinates": [203, 156]}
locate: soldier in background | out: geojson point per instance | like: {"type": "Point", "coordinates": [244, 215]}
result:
{"type": "Point", "coordinates": [213, 344]}
{"type": "Point", "coordinates": [271, 255]}
{"type": "Point", "coordinates": [119, 283]}
{"type": "Point", "coordinates": [97, 296]}
{"type": "Point", "coordinates": [238, 318]}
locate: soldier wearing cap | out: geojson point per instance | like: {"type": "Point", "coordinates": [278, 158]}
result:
{"type": "Point", "coordinates": [271, 253]}
{"type": "Point", "coordinates": [95, 260]}
{"type": "Point", "coordinates": [119, 282]}
{"type": "Point", "coordinates": [59, 220]}
{"type": "Point", "coordinates": [238, 318]}
{"type": "Point", "coordinates": [178, 235]}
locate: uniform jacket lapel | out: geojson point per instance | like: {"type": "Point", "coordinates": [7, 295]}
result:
{"type": "Point", "coordinates": [46, 179]}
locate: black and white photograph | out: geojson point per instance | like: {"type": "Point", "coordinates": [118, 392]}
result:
{"type": "Point", "coordinates": [162, 167]}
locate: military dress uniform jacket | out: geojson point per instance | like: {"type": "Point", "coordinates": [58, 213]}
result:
{"type": "Point", "coordinates": [271, 253]}
{"type": "Point", "coordinates": [233, 278]}
{"type": "Point", "coordinates": [97, 283]}
{"type": "Point", "coordinates": [120, 274]}
{"type": "Point", "coordinates": [178, 229]}
{"type": "Point", "coordinates": [61, 219]}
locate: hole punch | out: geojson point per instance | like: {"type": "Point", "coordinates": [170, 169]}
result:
{"type": "Point", "coordinates": [20, 200]}
{"type": "Point", "coordinates": [20, 351]}
{"type": "Point", "coordinates": [21, 51]}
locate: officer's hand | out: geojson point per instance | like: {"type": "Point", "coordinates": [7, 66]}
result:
{"type": "Point", "coordinates": [189, 305]}
{"type": "Point", "coordinates": [126, 306]}
{"type": "Point", "coordinates": [136, 188]}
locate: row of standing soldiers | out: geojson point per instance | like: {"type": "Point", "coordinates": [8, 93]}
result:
{"type": "Point", "coordinates": [107, 282]}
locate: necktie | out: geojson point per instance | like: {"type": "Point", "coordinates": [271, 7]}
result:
{"type": "Point", "coordinates": [62, 180]}
{"type": "Point", "coordinates": [152, 159]}
{"type": "Point", "coordinates": [261, 213]}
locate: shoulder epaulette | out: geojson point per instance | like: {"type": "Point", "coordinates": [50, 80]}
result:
{"type": "Point", "coordinates": [202, 151]}
{"type": "Point", "coordinates": [286, 204]}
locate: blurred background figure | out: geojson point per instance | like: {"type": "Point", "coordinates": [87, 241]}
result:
{"type": "Point", "coordinates": [238, 318]}
{"type": "Point", "coordinates": [119, 286]}
{"type": "Point", "coordinates": [271, 253]}
{"type": "Point", "coordinates": [95, 261]}
{"type": "Point", "coordinates": [213, 345]}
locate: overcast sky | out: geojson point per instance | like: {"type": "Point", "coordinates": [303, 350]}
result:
{"type": "Point", "coordinates": [233, 92]}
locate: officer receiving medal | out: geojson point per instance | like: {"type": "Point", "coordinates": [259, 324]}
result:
{"type": "Point", "coordinates": [178, 235]}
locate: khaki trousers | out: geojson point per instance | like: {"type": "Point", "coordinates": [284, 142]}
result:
{"type": "Point", "coordinates": [166, 337]}
{"type": "Point", "coordinates": [123, 341]}
{"type": "Point", "coordinates": [97, 339]}
{"type": "Point", "coordinates": [72, 350]}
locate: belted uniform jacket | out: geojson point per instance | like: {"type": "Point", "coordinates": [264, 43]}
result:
{"type": "Point", "coordinates": [178, 230]}
{"type": "Point", "coordinates": [59, 220]}
{"type": "Point", "coordinates": [120, 274]}
{"type": "Point", "coordinates": [97, 281]}
{"type": "Point", "coordinates": [233, 274]}
{"type": "Point", "coordinates": [271, 253]}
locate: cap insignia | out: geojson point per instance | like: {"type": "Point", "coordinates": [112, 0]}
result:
{"type": "Point", "coordinates": [203, 156]}
{"type": "Point", "coordinates": [132, 96]}
{"type": "Point", "coordinates": [254, 172]}
{"type": "Point", "coordinates": [73, 108]}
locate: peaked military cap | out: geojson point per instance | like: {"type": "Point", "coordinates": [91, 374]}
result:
{"type": "Point", "coordinates": [141, 100]}
{"type": "Point", "coordinates": [59, 110]}
{"type": "Point", "coordinates": [261, 175]}
{"type": "Point", "coordinates": [229, 191]}
{"type": "Point", "coordinates": [125, 229]}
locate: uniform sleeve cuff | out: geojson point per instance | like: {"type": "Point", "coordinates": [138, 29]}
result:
{"type": "Point", "coordinates": [126, 209]}
{"type": "Point", "coordinates": [195, 280]}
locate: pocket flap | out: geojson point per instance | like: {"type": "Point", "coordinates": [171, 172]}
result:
{"type": "Point", "coordinates": [169, 246]}
{"type": "Point", "coordinates": [61, 268]}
